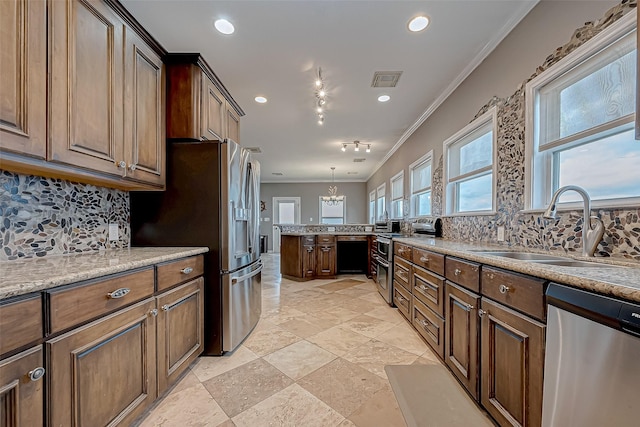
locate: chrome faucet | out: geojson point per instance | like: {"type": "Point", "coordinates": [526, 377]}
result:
{"type": "Point", "coordinates": [591, 236]}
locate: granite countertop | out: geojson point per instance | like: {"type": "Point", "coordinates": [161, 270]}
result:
{"type": "Point", "coordinates": [612, 277]}
{"type": "Point", "coordinates": [332, 233]}
{"type": "Point", "coordinates": [35, 274]}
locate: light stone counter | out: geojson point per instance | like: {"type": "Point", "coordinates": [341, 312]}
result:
{"type": "Point", "coordinates": [607, 279]}
{"type": "Point", "coordinates": [330, 233]}
{"type": "Point", "coordinates": [35, 274]}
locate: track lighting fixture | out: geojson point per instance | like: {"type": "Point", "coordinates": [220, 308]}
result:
{"type": "Point", "coordinates": [356, 146]}
{"type": "Point", "coordinates": [321, 94]}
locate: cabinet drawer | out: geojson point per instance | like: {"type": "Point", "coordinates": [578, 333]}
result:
{"type": "Point", "coordinates": [325, 239]}
{"type": "Point", "coordinates": [430, 326]}
{"type": "Point", "coordinates": [20, 323]}
{"type": "Point", "coordinates": [73, 305]}
{"type": "Point", "coordinates": [402, 250]}
{"type": "Point", "coordinates": [524, 293]}
{"type": "Point", "coordinates": [430, 260]}
{"type": "Point", "coordinates": [465, 273]}
{"type": "Point", "coordinates": [308, 240]}
{"type": "Point", "coordinates": [429, 289]}
{"type": "Point", "coordinates": [402, 300]}
{"type": "Point", "coordinates": [174, 272]}
{"type": "Point", "coordinates": [352, 238]}
{"type": "Point", "coordinates": [402, 272]}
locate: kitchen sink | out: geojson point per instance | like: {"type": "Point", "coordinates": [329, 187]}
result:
{"type": "Point", "coordinates": [573, 263]}
{"type": "Point", "coordinates": [523, 256]}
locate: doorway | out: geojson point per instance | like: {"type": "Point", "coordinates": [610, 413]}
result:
{"type": "Point", "coordinates": [286, 210]}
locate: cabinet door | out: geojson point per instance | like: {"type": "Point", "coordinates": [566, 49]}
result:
{"type": "Point", "coordinates": [103, 373]}
{"type": "Point", "coordinates": [461, 336]}
{"type": "Point", "coordinates": [22, 389]}
{"type": "Point", "coordinates": [233, 125]}
{"type": "Point", "coordinates": [326, 260]}
{"type": "Point", "coordinates": [512, 349]}
{"type": "Point", "coordinates": [212, 111]}
{"type": "Point", "coordinates": [86, 105]}
{"type": "Point", "coordinates": [309, 261]}
{"type": "Point", "coordinates": [23, 67]}
{"type": "Point", "coordinates": [144, 112]}
{"type": "Point", "coordinates": [180, 333]}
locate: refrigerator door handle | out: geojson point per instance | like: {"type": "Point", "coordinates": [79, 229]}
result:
{"type": "Point", "coordinates": [246, 276]}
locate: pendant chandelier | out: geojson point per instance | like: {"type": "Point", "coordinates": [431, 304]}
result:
{"type": "Point", "coordinates": [333, 198]}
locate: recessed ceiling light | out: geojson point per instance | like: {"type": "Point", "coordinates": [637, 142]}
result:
{"type": "Point", "coordinates": [418, 23]}
{"type": "Point", "coordinates": [384, 98]}
{"type": "Point", "coordinates": [224, 26]}
{"type": "Point", "coordinates": [260, 99]}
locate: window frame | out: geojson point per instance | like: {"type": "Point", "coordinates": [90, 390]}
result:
{"type": "Point", "coordinates": [394, 199]}
{"type": "Point", "coordinates": [381, 194]}
{"type": "Point", "coordinates": [344, 212]}
{"type": "Point", "coordinates": [540, 172]}
{"type": "Point", "coordinates": [449, 196]}
{"type": "Point", "coordinates": [413, 196]}
{"type": "Point", "coordinates": [372, 208]}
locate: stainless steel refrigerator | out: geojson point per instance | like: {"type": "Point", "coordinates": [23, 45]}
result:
{"type": "Point", "coordinates": [212, 199]}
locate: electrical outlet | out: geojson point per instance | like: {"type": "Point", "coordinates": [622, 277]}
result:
{"type": "Point", "coordinates": [500, 234]}
{"type": "Point", "coordinates": [113, 232]}
{"type": "Point", "coordinates": [310, 219]}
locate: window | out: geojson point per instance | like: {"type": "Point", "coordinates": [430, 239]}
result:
{"type": "Point", "coordinates": [397, 194]}
{"type": "Point", "coordinates": [380, 206]}
{"type": "Point", "coordinates": [470, 166]}
{"type": "Point", "coordinates": [580, 123]}
{"type": "Point", "coordinates": [372, 207]}
{"type": "Point", "coordinates": [420, 185]}
{"type": "Point", "coordinates": [331, 213]}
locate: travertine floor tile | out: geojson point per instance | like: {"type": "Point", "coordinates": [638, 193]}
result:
{"type": "Point", "coordinates": [367, 326]}
{"type": "Point", "coordinates": [263, 342]}
{"type": "Point", "coordinates": [340, 284]}
{"type": "Point", "coordinates": [299, 359]}
{"type": "Point", "coordinates": [208, 367]}
{"type": "Point", "coordinates": [381, 410]}
{"type": "Point", "coordinates": [388, 314]}
{"type": "Point", "coordinates": [191, 406]}
{"type": "Point", "coordinates": [374, 354]}
{"type": "Point", "coordinates": [338, 340]}
{"type": "Point", "coordinates": [243, 387]}
{"type": "Point", "coordinates": [308, 325]}
{"type": "Point", "coordinates": [405, 338]}
{"type": "Point", "coordinates": [342, 385]}
{"type": "Point", "coordinates": [292, 407]}
{"type": "Point", "coordinates": [188, 380]}
{"type": "Point", "coordinates": [360, 305]}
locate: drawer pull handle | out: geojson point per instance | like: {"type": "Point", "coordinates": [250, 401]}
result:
{"type": "Point", "coordinates": [165, 307]}
{"type": "Point", "coordinates": [491, 276]}
{"type": "Point", "coordinates": [482, 312]}
{"type": "Point", "coordinates": [424, 324]}
{"type": "Point", "coordinates": [36, 374]}
{"type": "Point", "coordinates": [400, 299]}
{"type": "Point", "coordinates": [423, 288]}
{"type": "Point", "coordinates": [469, 307]}
{"type": "Point", "coordinates": [186, 270]}
{"type": "Point", "coordinates": [503, 289]}
{"type": "Point", "coordinates": [457, 271]}
{"type": "Point", "coordinates": [154, 312]}
{"type": "Point", "coordinates": [309, 250]}
{"type": "Point", "coordinates": [424, 259]}
{"type": "Point", "coordinates": [118, 293]}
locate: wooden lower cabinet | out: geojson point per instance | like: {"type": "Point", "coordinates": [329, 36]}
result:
{"type": "Point", "coordinates": [461, 336]}
{"type": "Point", "coordinates": [103, 373]}
{"type": "Point", "coordinates": [308, 261]}
{"type": "Point", "coordinates": [429, 325]}
{"type": "Point", "coordinates": [512, 357]}
{"type": "Point", "coordinates": [22, 389]}
{"type": "Point", "coordinates": [180, 335]}
{"type": "Point", "coordinates": [326, 260]}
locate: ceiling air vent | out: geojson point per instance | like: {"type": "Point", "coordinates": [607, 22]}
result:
{"type": "Point", "coordinates": [352, 173]}
{"type": "Point", "coordinates": [254, 149]}
{"type": "Point", "coordinates": [277, 173]}
{"type": "Point", "coordinates": [386, 78]}
{"type": "Point", "coordinates": [358, 160]}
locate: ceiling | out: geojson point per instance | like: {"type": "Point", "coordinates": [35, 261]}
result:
{"type": "Point", "coordinates": [278, 46]}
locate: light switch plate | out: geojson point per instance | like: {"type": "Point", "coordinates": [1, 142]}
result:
{"type": "Point", "coordinates": [500, 234]}
{"type": "Point", "coordinates": [113, 232]}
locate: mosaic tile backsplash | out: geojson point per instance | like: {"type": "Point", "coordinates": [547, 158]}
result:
{"type": "Point", "coordinates": [622, 226]}
{"type": "Point", "coordinates": [43, 216]}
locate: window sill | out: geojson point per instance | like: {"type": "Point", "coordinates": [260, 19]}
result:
{"type": "Point", "coordinates": [631, 203]}
{"type": "Point", "coordinates": [474, 213]}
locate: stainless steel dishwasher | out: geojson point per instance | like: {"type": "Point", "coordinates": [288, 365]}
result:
{"type": "Point", "coordinates": [592, 362]}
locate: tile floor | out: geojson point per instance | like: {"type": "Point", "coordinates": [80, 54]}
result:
{"type": "Point", "coordinates": [316, 358]}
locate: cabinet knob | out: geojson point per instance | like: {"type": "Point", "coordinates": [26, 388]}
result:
{"type": "Point", "coordinates": [424, 324]}
{"type": "Point", "coordinates": [154, 312]}
{"type": "Point", "coordinates": [400, 299]}
{"type": "Point", "coordinates": [165, 307]}
{"type": "Point", "coordinates": [400, 251]}
{"type": "Point", "coordinates": [424, 259]}
{"type": "Point", "coordinates": [121, 164]}
{"type": "Point", "coordinates": [503, 289]}
{"type": "Point", "coordinates": [457, 271]}
{"type": "Point", "coordinates": [118, 293]}
{"type": "Point", "coordinates": [310, 249]}
{"type": "Point", "coordinates": [132, 167]}
{"type": "Point", "coordinates": [482, 312]}
{"type": "Point", "coordinates": [423, 288]}
{"type": "Point", "coordinates": [186, 270]}
{"type": "Point", "coordinates": [469, 307]}
{"type": "Point", "coordinates": [36, 374]}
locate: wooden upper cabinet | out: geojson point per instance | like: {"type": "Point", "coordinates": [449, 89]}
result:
{"type": "Point", "coordinates": [86, 66]}
{"type": "Point", "coordinates": [144, 112]}
{"type": "Point", "coordinates": [233, 125]}
{"type": "Point", "coordinates": [212, 111]}
{"type": "Point", "coordinates": [23, 67]}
